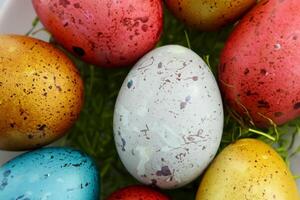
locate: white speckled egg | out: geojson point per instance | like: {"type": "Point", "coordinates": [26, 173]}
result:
{"type": "Point", "coordinates": [168, 119]}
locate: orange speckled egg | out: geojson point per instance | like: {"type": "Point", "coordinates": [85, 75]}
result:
{"type": "Point", "coordinates": [209, 15]}
{"type": "Point", "coordinates": [41, 93]}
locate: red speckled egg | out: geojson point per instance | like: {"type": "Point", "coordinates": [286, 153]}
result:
{"type": "Point", "coordinates": [260, 64]}
{"type": "Point", "coordinates": [105, 33]}
{"type": "Point", "coordinates": [137, 193]}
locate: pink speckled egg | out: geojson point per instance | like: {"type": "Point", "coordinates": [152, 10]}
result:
{"type": "Point", "coordinates": [105, 33]}
{"type": "Point", "coordinates": [260, 64]}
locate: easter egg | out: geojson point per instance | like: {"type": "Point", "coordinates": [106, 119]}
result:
{"type": "Point", "coordinates": [248, 169]}
{"type": "Point", "coordinates": [168, 117]}
{"type": "Point", "coordinates": [137, 193]}
{"type": "Point", "coordinates": [105, 33]}
{"type": "Point", "coordinates": [50, 173]}
{"type": "Point", "coordinates": [209, 15]}
{"type": "Point", "coordinates": [41, 93]}
{"type": "Point", "coordinates": [260, 64]}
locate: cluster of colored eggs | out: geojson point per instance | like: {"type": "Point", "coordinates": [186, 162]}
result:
{"type": "Point", "coordinates": [168, 118]}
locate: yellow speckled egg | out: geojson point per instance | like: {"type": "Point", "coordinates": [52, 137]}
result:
{"type": "Point", "coordinates": [209, 15]}
{"type": "Point", "coordinates": [41, 93]}
{"type": "Point", "coordinates": [248, 169]}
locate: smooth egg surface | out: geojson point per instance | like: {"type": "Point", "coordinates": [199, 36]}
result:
{"type": "Point", "coordinates": [168, 117]}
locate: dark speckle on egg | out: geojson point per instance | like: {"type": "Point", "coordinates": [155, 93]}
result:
{"type": "Point", "coordinates": [64, 3]}
{"type": "Point", "coordinates": [165, 171]}
{"type": "Point", "coordinates": [297, 106]}
{"type": "Point", "coordinates": [129, 84]}
{"type": "Point", "coordinates": [6, 173]}
{"type": "Point", "coordinates": [78, 51]}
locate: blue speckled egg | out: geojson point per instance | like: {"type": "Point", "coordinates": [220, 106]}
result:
{"type": "Point", "coordinates": [50, 174]}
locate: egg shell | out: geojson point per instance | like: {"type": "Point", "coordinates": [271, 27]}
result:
{"type": "Point", "coordinates": [260, 64]}
{"type": "Point", "coordinates": [137, 192]}
{"type": "Point", "coordinates": [208, 15]}
{"type": "Point", "coordinates": [168, 117]}
{"type": "Point", "coordinates": [41, 93]}
{"type": "Point", "coordinates": [53, 173]}
{"type": "Point", "coordinates": [106, 33]}
{"type": "Point", "coordinates": [248, 169]}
